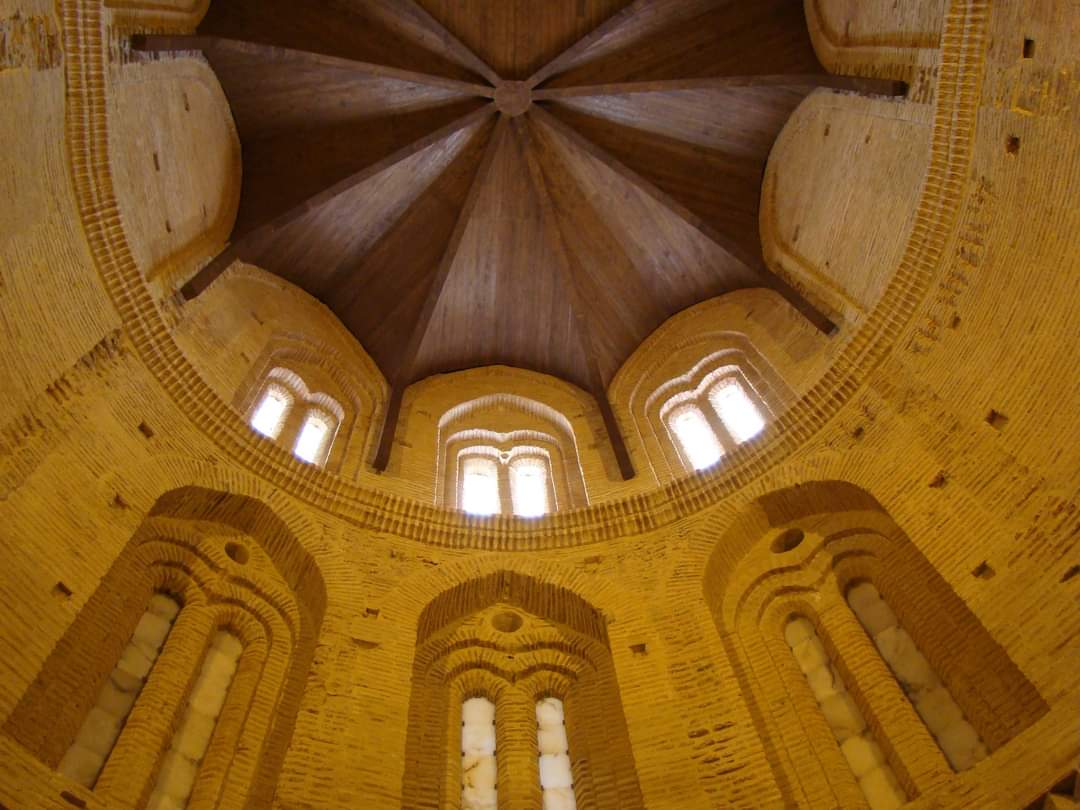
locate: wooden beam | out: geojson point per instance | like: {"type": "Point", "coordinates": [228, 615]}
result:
{"type": "Point", "coordinates": [578, 305]}
{"type": "Point", "coordinates": [389, 428]}
{"type": "Point", "coordinates": [215, 47]}
{"type": "Point", "coordinates": [857, 84]}
{"type": "Point", "coordinates": [753, 264]}
{"type": "Point", "coordinates": [452, 44]}
{"type": "Point", "coordinates": [241, 246]}
{"type": "Point", "coordinates": [567, 57]}
{"type": "Point", "coordinates": [402, 375]}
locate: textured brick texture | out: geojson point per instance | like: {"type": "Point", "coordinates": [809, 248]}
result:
{"type": "Point", "coordinates": [931, 447]}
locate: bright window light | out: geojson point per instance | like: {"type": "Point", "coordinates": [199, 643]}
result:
{"type": "Point", "coordinates": [480, 486]}
{"type": "Point", "coordinates": [270, 415]}
{"type": "Point", "coordinates": [739, 415]}
{"type": "Point", "coordinates": [313, 436]}
{"type": "Point", "coordinates": [696, 437]}
{"type": "Point", "coordinates": [529, 487]}
{"type": "Point", "coordinates": [479, 770]}
{"type": "Point", "coordinates": [556, 776]}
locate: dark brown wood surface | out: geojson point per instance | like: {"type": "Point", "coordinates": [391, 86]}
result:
{"type": "Point", "coordinates": [469, 182]}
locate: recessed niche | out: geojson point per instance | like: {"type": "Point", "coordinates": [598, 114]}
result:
{"type": "Point", "coordinates": [1012, 144]}
{"type": "Point", "coordinates": [507, 621]}
{"type": "Point", "coordinates": [787, 541]}
{"type": "Point", "coordinates": [1029, 48]}
{"type": "Point", "coordinates": [237, 552]}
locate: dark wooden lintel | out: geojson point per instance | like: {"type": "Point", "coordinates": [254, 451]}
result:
{"type": "Point", "coordinates": [389, 429]}
{"type": "Point", "coordinates": [856, 84]}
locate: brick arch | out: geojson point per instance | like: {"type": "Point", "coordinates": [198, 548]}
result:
{"type": "Point", "coordinates": [272, 598]}
{"type": "Point", "coordinates": [753, 585]}
{"type": "Point", "coordinates": [564, 647]}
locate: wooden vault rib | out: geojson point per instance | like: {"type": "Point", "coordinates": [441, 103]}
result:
{"type": "Point", "coordinates": [752, 263]}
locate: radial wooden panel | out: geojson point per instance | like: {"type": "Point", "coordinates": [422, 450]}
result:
{"type": "Point", "coordinates": [380, 295]}
{"type": "Point", "coordinates": [722, 188]}
{"type": "Point", "coordinates": [740, 121]}
{"type": "Point", "coordinates": [504, 301]}
{"type": "Point", "coordinates": [359, 31]}
{"type": "Point", "coordinates": [319, 250]}
{"type": "Point", "coordinates": [656, 40]}
{"type": "Point", "coordinates": [678, 265]}
{"type": "Point", "coordinates": [517, 37]}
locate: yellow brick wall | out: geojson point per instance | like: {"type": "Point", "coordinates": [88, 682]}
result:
{"type": "Point", "coordinates": [107, 404]}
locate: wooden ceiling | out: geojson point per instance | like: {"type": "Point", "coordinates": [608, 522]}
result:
{"type": "Point", "coordinates": [540, 184]}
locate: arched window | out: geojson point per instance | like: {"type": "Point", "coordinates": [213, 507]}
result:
{"type": "Point", "coordinates": [529, 486]}
{"type": "Point", "coordinates": [713, 419]}
{"type": "Point", "coordinates": [876, 778]}
{"type": "Point", "coordinates": [84, 759]}
{"type": "Point", "coordinates": [493, 482]}
{"type": "Point", "coordinates": [480, 485]}
{"type": "Point", "coordinates": [695, 436]}
{"type": "Point", "coordinates": [955, 736]}
{"type": "Point", "coordinates": [556, 776]}
{"type": "Point", "coordinates": [740, 416]}
{"type": "Point", "coordinates": [176, 779]}
{"type": "Point", "coordinates": [479, 771]}
{"type": "Point", "coordinates": [269, 415]}
{"type": "Point", "coordinates": [297, 418]}
{"type": "Point", "coordinates": [316, 434]}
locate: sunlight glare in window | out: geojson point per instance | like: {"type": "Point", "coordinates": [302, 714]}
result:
{"type": "Point", "coordinates": [742, 419]}
{"type": "Point", "coordinates": [270, 414]}
{"type": "Point", "coordinates": [696, 437]}
{"type": "Point", "coordinates": [529, 489]}
{"type": "Point", "coordinates": [479, 770]}
{"type": "Point", "coordinates": [312, 438]}
{"type": "Point", "coordinates": [480, 487]}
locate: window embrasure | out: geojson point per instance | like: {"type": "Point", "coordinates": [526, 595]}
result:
{"type": "Point", "coordinates": [493, 481]}
{"type": "Point", "coordinates": [708, 422]}
{"type": "Point", "coordinates": [288, 412]}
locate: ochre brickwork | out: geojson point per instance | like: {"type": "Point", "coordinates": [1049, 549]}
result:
{"type": "Point", "coordinates": [946, 406]}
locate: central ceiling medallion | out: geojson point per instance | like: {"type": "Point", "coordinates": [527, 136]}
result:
{"type": "Point", "coordinates": [513, 98]}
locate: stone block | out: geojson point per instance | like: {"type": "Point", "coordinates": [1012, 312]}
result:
{"type": "Point", "coordinates": [134, 662]}
{"type": "Point", "coordinates": [479, 772]}
{"type": "Point", "coordinates": [115, 701]}
{"type": "Point", "coordinates": [161, 801]}
{"type": "Point", "coordinates": [125, 681]}
{"type": "Point", "coordinates": [876, 617]}
{"type": "Point", "coordinates": [549, 712]}
{"type": "Point", "coordinates": [798, 630]}
{"type": "Point", "coordinates": [81, 765]}
{"type": "Point", "coordinates": [177, 777]}
{"type": "Point", "coordinates": [99, 732]}
{"type": "Point", "coordinates": [552, 740]}
{"type": "Point", "coordinates": [164, 606]}
{"type": "Point", "coordinates": [555, 771]}
{"type": "Point", "coordinates": [228, 644]}
{"type": "Point", "coordinates": [903, 657]}
{"type": "Point", "coordinates": [810, 655]}
{"type": "Point", "coordinates": [862, 754]}
{"type": "Point", "coordinates": [843, 716]}
{"type": "Point", "coordinates": [150, 632]}
{"type": "Point", "coordinates": [472, 799]}
{"type": "Point", "coordinates": [861, 595]}
{"type": "Point", "coordinates": [559, 799]}
{"type": "Point", "coordinates": [193, 737]}
{"type": "Point", "coordinates": [938, 709]}
{"type": "Point", "coordinates": [478, 739]}
{"type": "Point", "coordinates": [881, 789]}
{"type": "Point", "coordinates": [824, 682]}
{"type": "Point", "coordinates": [961, 745]}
